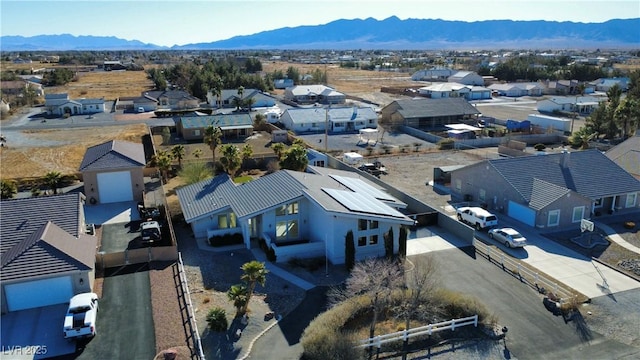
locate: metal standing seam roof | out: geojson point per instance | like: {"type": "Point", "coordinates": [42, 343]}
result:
{"type": "Point", "coordinates": [589, 173]}
{"type": "Point", "coordinates": [114, 154]}
{"type": "Point", "coordinates": [225, 122]}
{"type": "Point", "coordinates": [209, 196]}
{"type": "Point", "coordinates": [47, 251]}
{"type": "Point", "coordinates": [424, 107]}
{"type": "Point", "coordinates": [321, 115]}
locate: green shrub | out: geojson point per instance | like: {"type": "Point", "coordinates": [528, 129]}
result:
{"type": "Point", "coordinates": [226, 240]}
{"type": "Point", "coordinates": [217, 319]}
{"type": "Point", "coordinates": [349, 251]}
{"type": "Point", "coordinates": [446, 144]}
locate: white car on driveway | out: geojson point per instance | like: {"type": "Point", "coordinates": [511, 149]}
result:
{"type": "Point", "coordinates": [477, 217]}
{"type": "Point", "coordinates": [508, 236]}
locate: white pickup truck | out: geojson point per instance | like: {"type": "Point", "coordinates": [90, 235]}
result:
{"type": "Point", "coordinates": [476, 217]}
{"type": "Point", "coordinates": [80, 320]}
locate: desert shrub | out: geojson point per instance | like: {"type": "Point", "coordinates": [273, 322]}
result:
{"type": "Point", "coordinates": [217, 319]}
{"type": "Point", "coordinates": [324, 338]}
{"type": "Point", "coordinates": [457, 305]}
{"type": "Point", "coordinates": [226, 240]}
{"type": "Point", "coordinates": [195, 172]}
{"type": "Point", "coordinates": [446, 144]}
{"type": "Point", "coordinates": [539, 147]}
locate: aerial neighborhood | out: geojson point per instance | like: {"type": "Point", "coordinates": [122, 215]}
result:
{"type": "Point", "coordinates": [378, 200]}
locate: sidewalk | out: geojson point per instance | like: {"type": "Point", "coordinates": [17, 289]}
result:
{"type": "Point", "coordinates": [613, 236]}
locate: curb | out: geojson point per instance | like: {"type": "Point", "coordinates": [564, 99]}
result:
{"type": "Point", "coordinates": [246, 355]}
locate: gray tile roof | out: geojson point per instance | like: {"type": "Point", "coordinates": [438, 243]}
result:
{"type": "Point", "coordinates": [424, 107]}
{"type": "Point", "coordinates": [627, 155]}
{"type": "Point", "coordinates": [20, 218]}
{"type": "Point", "coordinates": [206, 197]}
{"type": "Point", "coordinates": [48, 251]}
{"type": "Point", "coordinates": [589, 173]}
{"type": "Point", "coordinates": [544, 193]}
{"type": "Point", "coordinates": [114, 154]}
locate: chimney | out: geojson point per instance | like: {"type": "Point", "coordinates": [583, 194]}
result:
{"type": "Point", "coordinates": [564, 159]}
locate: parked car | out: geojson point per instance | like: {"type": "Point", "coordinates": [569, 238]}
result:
{"type": "Point", "coordinates": [375, 168]}
{"type": "Point", "coordinates": [508, 236]}
{"type": "Point", "coordinates": [476, 217]}
{"type": "Point", "coordinates": [151, 232]}
{"type": "Point", "coordinates": [80, 320]}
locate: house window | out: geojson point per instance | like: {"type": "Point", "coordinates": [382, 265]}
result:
{"type": "Point", "coordinates": [553, 218]}
{"type": "Point", "coordinates": [227, 221]}
{"type": "Point", "coordinates": [373, 239]}
{"type": "Point", "coordinates": [362, 224]}
{"type": "Point", "coordinates": [288, 209]}
{"type": "Point", "coordinates": [196, 132]}
{"type": "Point", "coordinates": [598, 203]}
{"type": "Point", "coordinates": [287, 230]}
{"type": "Point", "coordinates": [482, 194]}
{"type": "Point", "coordinates": [458, 185]}
{"type": "Point", "coordinates": [362, 241]}
{"type": "Point", "coordinates": [314, 124]}
{"type": "Point", "coordinates": [373, 224]}
{"type": "Point", "coordinates": [631, 200]}
{"type": "Point", "coordinates": [370, 121]}
{"type": "Point", "coordinates": [578, 214]}
{"type": "Point", "coordinates": [319, 163]}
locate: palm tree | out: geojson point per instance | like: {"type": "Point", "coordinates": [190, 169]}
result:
{"type": "Point", "coordinates": [216, 86]}
{"type": "Point", "coordinates": [255, 272]}
{"type": "Point", "coordinates": [212, 136]}
{"type": "Point", "coordinates": [230, 159]}
{"type": "Point", "coordinates": [163, 160]}
{"type": "Point", "coordinates": [247, 153]}
{"type": "Point", "coordinates": [9, 189]}
{"type": "Point", "coordinates": [178, 153]}
{"type": "Point", "coordinates": [53, 179]}
{"type": "Point", "coordinates": [239, 295]}
{"type": "Point", "coordinates": [278, 148]}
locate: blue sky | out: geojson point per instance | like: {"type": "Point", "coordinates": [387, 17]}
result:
{"type": "Point", "coordinates": [171, 22]}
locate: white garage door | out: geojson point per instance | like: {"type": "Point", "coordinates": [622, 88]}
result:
{"type": "Point", "coordinates": [522, 213]}
{"type": "Point", "coordinates": [38, 293]}
{"type": "Point", "coordinates": [115, 187]}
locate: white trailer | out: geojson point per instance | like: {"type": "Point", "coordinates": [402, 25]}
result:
{"type": "Point", "coordinates": [352, 158]}
{"type": "Point", "coordinates": [550, 122]}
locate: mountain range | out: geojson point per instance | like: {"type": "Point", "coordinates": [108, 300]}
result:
{"type": "Point", "coordinates": [389, 34]}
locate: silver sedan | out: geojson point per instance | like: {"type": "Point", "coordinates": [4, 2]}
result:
{"type": "Point", "coordinates": [508, 236]}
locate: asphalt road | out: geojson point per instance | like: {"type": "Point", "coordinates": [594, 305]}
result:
{"type": "Point", "coordinates": [282, 342]}
{"type": "Point", "coordinates": [533, 331]}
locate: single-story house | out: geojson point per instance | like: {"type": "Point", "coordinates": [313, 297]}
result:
{"type": "Point", "coordinates": [61, 104]}
{"type": "Point", "coordinates": [607, 83]}
{"type": "Point", "coordinates": [424, 113]}
{"type": "Point", "coordinates": [317, 158]}
{"type": "Point", "coordinates": [232, 125]}
{"type": "Point", "coordinates": [311, 94]}
{"type": "Point", "coordinates": [466, 78]}
{"type": "Point", "coordinates": [627, 155]}
{"type": "Point", "coordinates": [517, 89]}
{"type": "Point", "coordinates": [435, 74]}
{"type": "Point", "coordinates": [583, 105]}
{"type": "Point", "coordinates": [549, 191]}
{"type": "Point", "coordinates": [282, 83]}
{"type": "Point", "coordinates": [113, 172]}
{"type": "Point", "coordinates": [309, 215]}
{"type": "Point", "coordinates": [47, 256]}
{"type": "Point", "coordinates": [565, 87]}
{"type": "Point", "coordinates": [172, 99]}
{"type": "Point", "coordinates": [337, 120]}
{"type": "Point", "coordinates": [450, 89]}
{"type": "Point", "coordinates": [228, 98]}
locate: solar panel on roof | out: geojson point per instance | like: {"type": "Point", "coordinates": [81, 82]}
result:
{"type": "Point", "coordinates": [362, 187]}
{"type": "Point", "coordinates": [362, 203]}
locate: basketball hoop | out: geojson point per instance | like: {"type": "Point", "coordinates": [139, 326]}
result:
{"type": "Point", "coordinates": [586, 225]}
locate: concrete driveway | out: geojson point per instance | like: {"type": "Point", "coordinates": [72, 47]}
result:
{"type": "Point", "coordinates": [569, 267]}
{"type": "Point", "coordinates": [121, 212]}
{"type": "Point", "coordinates": [35, 333]}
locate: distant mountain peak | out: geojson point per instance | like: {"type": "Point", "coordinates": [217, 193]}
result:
{"type": "Point", "coordinates": [391, 33]}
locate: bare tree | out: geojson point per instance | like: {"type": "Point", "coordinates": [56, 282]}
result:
{"type": "Point", "coordinates": [376, 278]}
{"type": "Point", "coordinates": [421, 281]}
